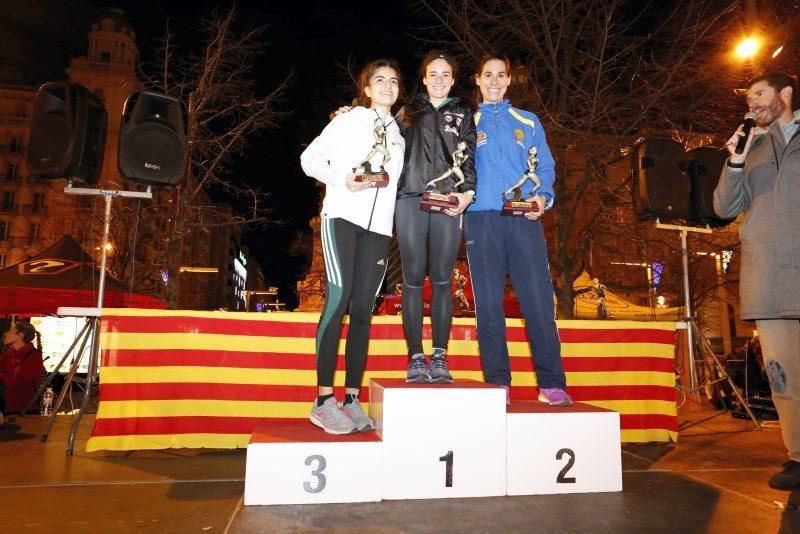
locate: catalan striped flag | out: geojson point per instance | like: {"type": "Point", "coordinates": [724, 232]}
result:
{"type": "Point", "coordinates": [174, 379]}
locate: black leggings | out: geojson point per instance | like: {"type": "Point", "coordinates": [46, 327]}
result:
{"type": "Point", "coordinates": [355, 264]}
{"type": "Point", "coordinates": [415, 230]}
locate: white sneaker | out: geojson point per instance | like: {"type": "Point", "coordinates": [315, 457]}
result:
{"type": "Point", "coordinates": [330, 418]}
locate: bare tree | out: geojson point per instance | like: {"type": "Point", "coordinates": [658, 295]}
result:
{"type": "Point", "coordinates": [600, 74]}
{"type": "Point", "coordinates": [225, 111]}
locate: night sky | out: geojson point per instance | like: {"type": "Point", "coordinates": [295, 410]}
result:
{"type": "Point", "coordinates": [312, 40]}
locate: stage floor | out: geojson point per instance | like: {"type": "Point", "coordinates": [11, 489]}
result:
{"type": "Point", "coordinates": [707, 482]}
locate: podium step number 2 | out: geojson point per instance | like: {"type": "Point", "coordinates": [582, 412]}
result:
{"type": "Point", "coordinates": [562, 450]}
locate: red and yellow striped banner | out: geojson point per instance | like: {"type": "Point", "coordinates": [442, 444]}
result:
{"type": "Point", "coordinates": [174, 379]}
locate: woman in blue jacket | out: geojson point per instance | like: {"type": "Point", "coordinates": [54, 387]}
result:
{"type": "Point", "coordinates": [498, 244]}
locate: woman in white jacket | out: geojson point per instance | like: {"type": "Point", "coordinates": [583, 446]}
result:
{"type": "Point", "coordinates": [356, 226]}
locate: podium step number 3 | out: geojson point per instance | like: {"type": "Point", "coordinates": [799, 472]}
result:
{"type": "Point", "coordinates": [294, 462]}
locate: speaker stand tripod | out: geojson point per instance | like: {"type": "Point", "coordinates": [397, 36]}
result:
{"type": "Point", "coordinates": [714, 366]}
{"type": "Point", "coordinates": [91, 330]}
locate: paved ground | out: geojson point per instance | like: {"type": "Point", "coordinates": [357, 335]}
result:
{"type": "Point", "coordinates": [713, 480]}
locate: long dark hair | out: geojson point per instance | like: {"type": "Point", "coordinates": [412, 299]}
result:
{"type": "Point", "coordinates": [366, 75]}
{"type": "Point", "coordinates": [29, 333]}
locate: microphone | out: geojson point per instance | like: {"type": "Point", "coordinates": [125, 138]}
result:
{"type": "Point", "coordinates": [749, 122]}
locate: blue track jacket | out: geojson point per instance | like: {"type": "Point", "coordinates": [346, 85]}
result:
{"type": "Point", "coordinates": [504, 136]}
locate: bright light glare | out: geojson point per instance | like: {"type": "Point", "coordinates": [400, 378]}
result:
{"type": "Point", "coordinates": [777, 51]}
{"type": "Point", "coordinates": [747, 47]}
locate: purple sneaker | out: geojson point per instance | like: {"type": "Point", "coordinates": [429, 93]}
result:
{"type": "Point", "coordinates": [555, 397]}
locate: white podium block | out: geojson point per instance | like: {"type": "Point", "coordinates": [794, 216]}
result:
{"type": "Point", "coordinates": [573, 449]}
{"type": "Point", "coordinates": [295, 462]}
{"type": "Point", "coordinates": [440, 440]}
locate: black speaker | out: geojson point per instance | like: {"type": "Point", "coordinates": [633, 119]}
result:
{"type": "Point", "coordinates": [68, 133]}
{"type": "Point", "coordinates": [704, 168]}
{"type": "Point", "coordinates": [660, 188]}
{"type": "Point", "coordinates": [152, 139]}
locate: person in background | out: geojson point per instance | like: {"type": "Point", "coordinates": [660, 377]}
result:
{"type": "Point", "coordinates": [762, 181]}
{"type": "Point", "coordinates": [356, 226]}
{"type": "Point", "coordinates": [21, 368]}
{"type": "Point", "coordinates": [498, 244]}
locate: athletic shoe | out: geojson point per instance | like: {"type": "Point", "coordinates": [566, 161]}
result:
{"type": "Point", "coordinates": [417, 369]}
{"type": "Point", "coordinates": [356, 414]}
{"type": "Point", "coordinates": [555, 397]}
{"type": "Point", "coordinates": [330, 418]}
{"type": "Point", "coordinates": [438, 373]}
{"type": "Point", "coordinates": [788, 479]}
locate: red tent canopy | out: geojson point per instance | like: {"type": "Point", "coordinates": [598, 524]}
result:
{"type": "Point", "coordinates": [62, 275]}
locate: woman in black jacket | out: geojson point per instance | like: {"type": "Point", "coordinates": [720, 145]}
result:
{"type": "Point", "coordinates": [435, 124]}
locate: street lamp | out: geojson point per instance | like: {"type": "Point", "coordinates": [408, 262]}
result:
{"type": "Point", "coordinates": [747, 48]}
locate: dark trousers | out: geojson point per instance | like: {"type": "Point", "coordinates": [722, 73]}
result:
{"type": "Point", "coordinates": [418, 231]}
{"type": "Point", "coordinates": [355, 264]}
{"type": "Point", "coordinates": [496, 245]}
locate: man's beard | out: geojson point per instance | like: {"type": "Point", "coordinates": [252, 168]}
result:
{"type": "Point", "coordinates": [773, 110]}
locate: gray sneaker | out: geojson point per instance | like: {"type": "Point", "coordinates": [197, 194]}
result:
{"type": "Point", "coordinates": [417, 369]}
{"type": "Point", "coordinates": [356, 414]}
{"type": "Point", "coordinates": [330, 418]}
{"type": "Point", "coordinates": [438, 373]}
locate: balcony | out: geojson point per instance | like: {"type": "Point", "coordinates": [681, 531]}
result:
{"type": "Point", "coordinates": [27, 241]}
{"type": "Point", "coordinates": [33, 209]}
{"type": "Point", "coordinates": [21, 120]}
{"type": "Point", "coordinates": [9, 178]}
{"type": "Point", "coordinates": [9, 208]}
{"type": "Point", "coordinates": [11, 150]}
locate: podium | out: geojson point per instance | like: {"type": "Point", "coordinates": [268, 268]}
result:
{"type": "Point", "coordinates": [437, 441]}
{"type": "Point", "coordinates": [294, 462]}
{"type": "Point", "coordinates": [555, 449]}
{"type": "Point", "coordinates": [440, 440]}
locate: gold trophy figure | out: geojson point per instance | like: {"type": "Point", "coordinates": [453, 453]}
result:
{"type": "Point", "coordinates": [364, 172]}
{"type": "Point", "coordinates": [512, 203]}
{"type": "Point", "coordinates": [435, 201]}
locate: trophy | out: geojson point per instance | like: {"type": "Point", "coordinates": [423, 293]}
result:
{"type": "Point", "coordinates": [364, 172]}
{"type": "Point", "coordinates": [435, 201]}
{"type": "Point", "coordinates": [512, 203]}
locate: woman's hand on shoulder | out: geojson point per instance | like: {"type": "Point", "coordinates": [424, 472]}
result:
{"type": "Point", "coordinates": [354, 186]}
{"type": "Point", "coordinates": [341, 110]}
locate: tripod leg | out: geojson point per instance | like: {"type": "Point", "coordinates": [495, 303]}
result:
{"type": "Point", "coordinates": [73, 370]}
{"type": "Point", "coordinates": [90, 376]}
{"type": "Point", "coordinates": [721, 369]}
{"type": "Point", "coordinates": [49, 379]}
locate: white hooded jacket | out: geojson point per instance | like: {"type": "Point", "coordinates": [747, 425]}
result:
{"type": "Point", "coordinates": [342, 146]}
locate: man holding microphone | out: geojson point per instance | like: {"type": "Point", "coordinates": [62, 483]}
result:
{"type": "Point", "coordinates": [762, 180]}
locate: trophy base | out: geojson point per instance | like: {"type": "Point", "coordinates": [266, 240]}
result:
{"type": "Point", "coordinates": [437, 202]}
{"type": "Point", "coordinates": [378, 179]}
{"type": "Point", "coordinates": [516, 208]}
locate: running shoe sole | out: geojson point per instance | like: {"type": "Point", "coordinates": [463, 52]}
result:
{"type": "Point", "coordinates": [317, 422]}
{"type": "Point", "coordinates": [440, 380]}
{"type": "Point", "coordinates": [544, 399]}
